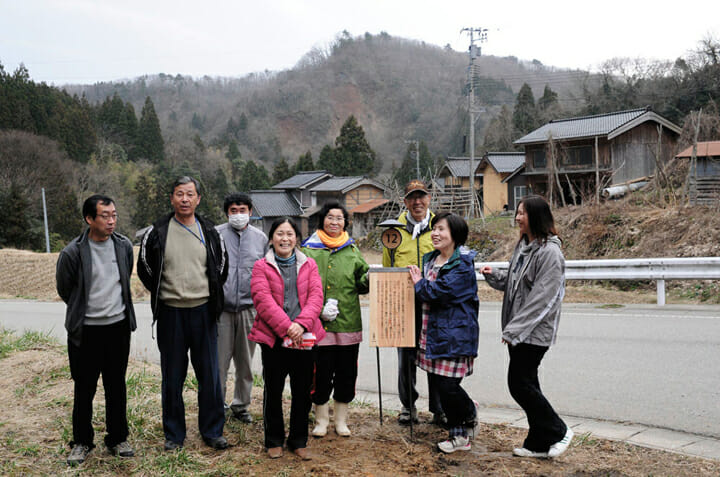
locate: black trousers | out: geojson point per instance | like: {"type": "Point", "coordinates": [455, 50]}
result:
{"type": "Point", "coordinates": [278, 364]}
{"type": "Point", "coordinates": [336, 368]}
{"type": "Point", "coordinates": [407, 372]}
{"type": "Point", "coordinates": [459, 408]}
{"type": "Point", "coordinates": [104, 350]}
{"type": "Point", "coordinates": [180, 330]}
{"type": "Point", "coordinates": [546, 427]}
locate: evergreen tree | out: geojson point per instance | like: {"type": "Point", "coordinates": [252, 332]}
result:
{"type": "Point", "coordinates": [252, 177]}
{"type": "Point", "coordinates": [352, 152]}
{"type": "Point", "coordinates": [281, 171]}
{"type": "Point", "coordinates": [548, 106]}
{"type": "Point", "coordinates": [499, 132]}
{"type": "Point", "coordinates": [146, 196]}
{"type": "Point", "coordinates": [409, 166]}
{"type": "Point", "coordinates": [17, 230]}
{"type": "Point", "coordinates": [233, 151]}
{"type": "Point", "coordinates": [326, 161]}
{"type": "Point", "coordinates": [525, 117]}
{"type": "Point", "coordinates": [150, 142]}
{"type": "Point", "coordinates": [304, 163]}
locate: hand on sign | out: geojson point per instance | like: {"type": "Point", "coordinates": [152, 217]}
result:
{"type": "Point", "coordinates": [415, 273]}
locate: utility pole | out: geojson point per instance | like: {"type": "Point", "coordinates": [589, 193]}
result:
{"type": "Point", "coordinates": [417, 156]}
{"type": "Point", "coordinates": [474, 52]}
{"type": "Point", "coordinates": [47, 234]}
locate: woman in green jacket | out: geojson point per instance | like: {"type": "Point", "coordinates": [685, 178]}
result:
{"type": "Point", "coordinates": [344, 276]}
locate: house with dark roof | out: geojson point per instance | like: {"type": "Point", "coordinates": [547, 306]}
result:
{"type": "Point", "coordinates": [582, 154]}
{"type": "Point", "coordinates": [704, 172]}
{"type": "Point", "coordinates": [300, 184]}
{"type": "Point", "coordinates": [497, 193]}
{"type": "Point", "coordinates": [453, 180]}
{"type": "Point", "coordinates": [268, 205]}
{"type": "Point", "coordinates": [364, 198]}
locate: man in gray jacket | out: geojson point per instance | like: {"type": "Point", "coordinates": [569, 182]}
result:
{"type": "Point", "coordinates": [93, 279]}
{"type": "Point", "coordinates": [245, 244]}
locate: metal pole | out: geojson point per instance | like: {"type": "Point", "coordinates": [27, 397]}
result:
{"type": "Point", "coordinates": [377, 356]}
{"type": "Point", "coordinates": [661, 292]}
{"type": "Point", "coordinates": [47, 233]}
{"type": "Point", "coordinates": [417, 160]}
{"type": "Point", "coordinates": [471, 107]}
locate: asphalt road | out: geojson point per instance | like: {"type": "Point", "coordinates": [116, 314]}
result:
{"type": "Point", "coordinates": [645, 364]}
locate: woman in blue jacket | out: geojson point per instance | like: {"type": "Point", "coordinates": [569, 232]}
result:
{"type": "Point", "coordinates": [447, 289]}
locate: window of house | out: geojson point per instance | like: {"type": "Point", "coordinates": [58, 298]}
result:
{"type": "Point", "coordinates": [581, 156]}
{"type": "Point", "coordinates": [539, 159]}
{"type": "Point", "coordinates": [519, 192]}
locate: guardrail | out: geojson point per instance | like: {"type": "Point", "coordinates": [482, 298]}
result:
{"type": "Point", "coordinates": [657, 269]}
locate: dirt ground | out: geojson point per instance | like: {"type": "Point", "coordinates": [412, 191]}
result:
{"type": "Point", "coordinates": [36, 392]}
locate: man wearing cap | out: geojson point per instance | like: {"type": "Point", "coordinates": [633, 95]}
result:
{"type": "Point", "coordinates": [415, 243]}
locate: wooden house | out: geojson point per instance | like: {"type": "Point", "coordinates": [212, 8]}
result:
{"type": "Point", "coordinates": [498, 194]}
{"type": "Point", "coordinates": [365, 217]}
{"type": "Point", "coordinates": [583, 153]}
{"type": "Point", "coordinates": [453, 181]}
{"type": "Point", "coordinates": [269, 205]}
{"type": "Point", "coordinates": [349, 191]}
{"type": "Point", "coordinates": [704, 174]}
{"type": "Point", "coordinates": [364, 198]}
{"type": "Point", "coordinates": [300, 184]}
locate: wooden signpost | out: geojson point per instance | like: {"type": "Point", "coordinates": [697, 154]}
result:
{"type": "Point", "coordinates": [392, 304]}
{"type": "Point", "coordinates": [392, 308]}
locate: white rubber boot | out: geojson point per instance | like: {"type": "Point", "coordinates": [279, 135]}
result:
{"type": "Point", "coordinates": [322, 419]}
{"type": "Point", "coordinates": [341, 427]}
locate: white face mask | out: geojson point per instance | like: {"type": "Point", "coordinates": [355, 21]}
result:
{"type": "Point", "coordinates": [239, 221]}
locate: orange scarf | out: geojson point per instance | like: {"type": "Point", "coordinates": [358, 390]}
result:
{"type": "Point", "coordinates": [333, 242]}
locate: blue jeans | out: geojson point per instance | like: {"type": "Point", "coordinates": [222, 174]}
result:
{"type": "Point", "coordinates": [180, 329]}
{"type": "Point", "coordinates": [407, 379]}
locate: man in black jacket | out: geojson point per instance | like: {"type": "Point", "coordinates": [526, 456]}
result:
{"type": "Point", "coordinates": [183, 263]}
{"type": "Point", "coordinates": [93, 279]}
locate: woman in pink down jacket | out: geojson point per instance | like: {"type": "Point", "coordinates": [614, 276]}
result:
{"type": "Point", "coordinates": [288, 297]}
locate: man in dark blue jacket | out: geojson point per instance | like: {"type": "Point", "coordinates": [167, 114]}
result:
{"type": "Point", "coordinates": [93, 279]}
{"type": "Point", "coordinates": [183, 263]}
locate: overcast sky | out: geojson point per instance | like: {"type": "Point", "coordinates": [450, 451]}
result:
{"type": "Point", "coordinates": [85, 41]}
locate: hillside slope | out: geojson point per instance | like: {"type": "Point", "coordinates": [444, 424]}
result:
{"type": "Point", "coordinates": [398, 89]}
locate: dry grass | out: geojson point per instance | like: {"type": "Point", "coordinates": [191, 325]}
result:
{"type": "Point", "coordinates": [36, 392]}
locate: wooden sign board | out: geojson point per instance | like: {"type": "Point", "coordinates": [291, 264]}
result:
{"type": "Point", "coordinates": [392, 308]}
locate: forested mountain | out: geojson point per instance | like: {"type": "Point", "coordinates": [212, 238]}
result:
{"type": "Point", "coordinates": [349, 108]}
{"type": "Point", "coordinates": [397, 89]}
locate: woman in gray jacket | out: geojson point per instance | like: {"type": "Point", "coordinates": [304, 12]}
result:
{"type": "Point", "coordinates": [534, 286]}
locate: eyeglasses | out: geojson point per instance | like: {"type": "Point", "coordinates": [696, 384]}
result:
{"type": "Point", "coordinates": [107, 217]}
{"type": "Point", "coordinates": [331, 218]}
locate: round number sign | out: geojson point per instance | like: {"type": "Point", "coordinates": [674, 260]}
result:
{"type": "Point", "coordinates": [391, 239]}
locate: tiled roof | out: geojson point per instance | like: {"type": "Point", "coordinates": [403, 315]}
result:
{"type": "Point", "coordinates": [301, 180]}
{"type": "Point", "coordinates": [609, 124]}
{"type": "Point", "coordinates": [336, 184]}
{"type": "Point", "coordinates": [506, 162]}
{"type": "Point", "coordinates": [345, 184]}
{"type": "Point", "coordinates": [368, 206]}
{"type": "Point", "coordinates": [704, 149]}
{"type": "Point", "coordinates": [460, 166]}
{"type": "Point", "coordinates": [274, 203]}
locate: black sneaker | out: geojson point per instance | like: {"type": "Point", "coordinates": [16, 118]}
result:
{"type": "Point", "coordinates": [406, 415]}
{"type": "Point", "coordinates": [439, 419]}
{"type": "Point", "coordinates": [171, 446]}
{"type": "Point", "coordinates": [217, 443]}
{"type": "Point", "coordinates": [242, 415]}
{"type": "Point", "coordinates": [122, 450]}
{"type": "Point", "coordinates": [78, 454]}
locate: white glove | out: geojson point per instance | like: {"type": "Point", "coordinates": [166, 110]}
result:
{"type": "Point", "coordinates": [330, 310]}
